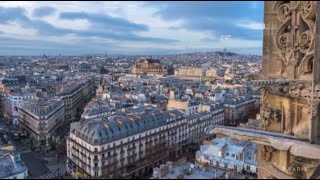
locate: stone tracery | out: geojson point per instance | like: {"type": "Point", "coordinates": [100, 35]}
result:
{"type": "Point", "coordinates": [294, 38]}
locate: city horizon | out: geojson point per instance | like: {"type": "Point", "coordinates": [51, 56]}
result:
{"type": "Point", "coordinates": [164, 54]}
{"type": "Point", "coordinates": [160, 90]}
{"type": "Point", "coordinates": [131, 28]}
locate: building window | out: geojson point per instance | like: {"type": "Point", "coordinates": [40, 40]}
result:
{"type": "Point", "coordinates": [96, 173]}
{"type": "Point", "coordinates": [225, 165]}
{"type": "Point", "coordinates": [95, 149]}
{"type": "Point", "coordinates": [248, 168]}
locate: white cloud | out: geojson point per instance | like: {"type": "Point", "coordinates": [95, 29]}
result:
{"type": "Point", "coordinates": [25, 4]}
{"type": "Point", "coordinates": [134, 12]}
{"type": "Point", "coordinates": [251, 25]}
{"type": "Point", "coordinates": [77, 24]}
{"type": "Point", "coordinates": [14, 28]}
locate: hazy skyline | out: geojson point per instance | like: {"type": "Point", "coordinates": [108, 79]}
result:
{"type": "Point", "coordinates": [129, 28]}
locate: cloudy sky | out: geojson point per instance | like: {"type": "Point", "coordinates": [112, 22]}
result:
{"type": "Point", "coordinates": [131, 28]}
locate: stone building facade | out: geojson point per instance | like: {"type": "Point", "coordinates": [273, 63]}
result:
{"type": "Point", "coordinates": [237, 110]}
{"type": "Point", "coordinates": [150, 67]}
{"type": "Point", "coordinates": [192, 71]}
{"type": "Point", "coordinates": [41, 118]}
{"type": "Point", "coordinates": [130, 146]}
{"type": "Point", "coordinates": [75, 95]}
{"type": "Point", "coordinates": [195, 71]}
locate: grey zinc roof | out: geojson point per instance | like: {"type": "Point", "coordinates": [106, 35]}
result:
{"type": "Point", "coordinates": [97, 109]}
{"type": "Point", "coordinates": [42, 107]}
{"type": "Point", "coordinates": [16, 167]}
{"type": "Point", "coordinates": [198, 115]}
{"type": "Point", "coordinates": [102, 131]}
{"type": "Point", "coordinates": [238, 100]}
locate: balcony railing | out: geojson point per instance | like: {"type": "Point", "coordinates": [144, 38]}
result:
{"type": "Point", "coordinates": [132, 155]}
{"type": "Point", "coordinates": [122, 159]}
{"type": "Point", "coordinates": [96, 168]}
{"type": "Point", "coordinates": [110, 157]}
{"type": "Point", "coordinates": [132, 148]}
{"type": "Point", "coordinates": [148, 142]}
{"type": "Point", "coordinates": [75, 149]}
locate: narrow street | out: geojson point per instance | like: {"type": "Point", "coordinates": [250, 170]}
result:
{"type": "Point", "coordinates": [35, 164]}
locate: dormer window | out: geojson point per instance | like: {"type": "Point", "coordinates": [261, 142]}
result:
{"type": "Point", "coordinates": [219, 153]}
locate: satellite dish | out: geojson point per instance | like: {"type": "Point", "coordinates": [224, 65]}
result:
{"type": "Point", "coordinates": [192, 166]}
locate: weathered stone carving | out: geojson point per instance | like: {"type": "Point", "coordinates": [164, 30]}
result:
{"type": "Point", "coordinates": [290, 67]}
{"type": "Point", "coordinates": [301, 167]}
{"type": "Point", "coordinates": [296, 90]}
{"type": "Point", "coordinates": [317, 91]}
{"type": "Point", "coordinates": [263, 96]}
{"type": "Point", "coordinates": [294, 38]}
{"type": "Point", "coordinates": [308, 9]}
{"type": "Point", "coordinates": [266, 153]}
{"type": "Point", "coordinates": [314, 108]}
{"type": "Point", "coordinates": [295, 169]}
{"type": "Point", "coordinates": [283, 12]}
{"type": "Point", "coordinates": [280, 87]}
{"type": "Point", "coordinates": [304, 90]}
{"type": "Point", "coordinates": [269, 115]}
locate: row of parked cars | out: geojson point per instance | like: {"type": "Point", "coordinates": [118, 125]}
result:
{"type": "Point", "coordinates": [15, 135]}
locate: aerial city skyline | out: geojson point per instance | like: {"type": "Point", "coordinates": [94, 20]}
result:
{"type": "Point", "coordinates": [131, 28]}
{"type": "Point", "coordinates": [160, 90]}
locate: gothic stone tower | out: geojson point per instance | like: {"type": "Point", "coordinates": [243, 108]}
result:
{"type": "Point", "coordinates": [288, 143]}
{"type": "Point", "coordinates": [290, 96]}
